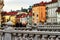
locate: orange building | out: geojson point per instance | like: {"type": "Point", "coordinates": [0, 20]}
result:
{"type": "Point", "coordinates": [39, 13]}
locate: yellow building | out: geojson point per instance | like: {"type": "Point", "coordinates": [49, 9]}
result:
{"type": "Point", "coordinates": [10, 16]}
{"type": "Point", "coordinates": [39, 13]}
{"type": "Point", "coordinates": [1, 6]}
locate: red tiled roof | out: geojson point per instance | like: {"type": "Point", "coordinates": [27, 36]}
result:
{"type": "Point", "coordinates": [22, 15]}
{"type": "Point", "coordinates": [40, 4]}
{"type": "Point", "coordinates": [44, 3]}
{"type": "Point", "coordinates": [58, 10]}
{"type": "Point", "coordinates": [53, 1]}
{"type": "Point", "coordinates": [11, 13]}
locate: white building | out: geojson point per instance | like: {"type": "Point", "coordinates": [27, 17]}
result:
{"type": "Point", "coordinates": [58, 12]}
{"type": "Point", "coordinates": [51, 11]}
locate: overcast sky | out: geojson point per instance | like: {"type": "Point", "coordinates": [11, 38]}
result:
{"type": "Point", "coordinates": [17, 4]}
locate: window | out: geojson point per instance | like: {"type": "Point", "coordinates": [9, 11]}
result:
{"type": "Point", "coordinates": [37, 15]}
{"type": "Point", "coordinates": [33, 14]}
{"type": "Point", "coordinates": [46, 7]}
{"type": "Point", "coordinates": [33, 18]}
{"type": "Point", "coordinates": [35, 24]}
{"type": "Point", "coordinates": [58, 13]}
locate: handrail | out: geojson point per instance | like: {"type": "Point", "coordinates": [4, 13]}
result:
{"type": "Point", "coordinates": [30, 32]}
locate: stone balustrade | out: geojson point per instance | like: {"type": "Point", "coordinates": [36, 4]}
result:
{"type": "Point", "coordinates": [31, 33]}
{"type": "Point", "coordinates": [28, 35]}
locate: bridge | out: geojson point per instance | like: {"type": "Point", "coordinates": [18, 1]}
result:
{"type": "Point", "coordinates": [28, 35]}
{"type": "Point", "coordinates": [43, 32]}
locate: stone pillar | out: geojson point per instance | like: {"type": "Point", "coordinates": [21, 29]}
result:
{"type": "Point", "coordinates": [30, 37]}
{"type": "Point", "coordinates": [13, 36]}
{"type": "Point", "coordinates": [37, 37]}
{"type": "Point", "coordinates": [1, 36]}
{"type": "Point", "coordinates": [7, 36]}
{"type": "Point", "coordinates": [24, 37]}
{"type": "Point", "coordinates": [58, 38]}
{"type": "Point", "coordinates": [52, 37]}
{"type": "Point", "coordinates": [20, 38]}
{"type": "Point", "coordinates": [44, 37]}
{"type": "Point", "coordinates": [16, 38]}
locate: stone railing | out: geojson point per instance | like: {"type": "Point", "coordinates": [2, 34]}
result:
{"type": "Point", "coordinates": [47, 27]}
{"type": "Point", "coordinates": [28, 35]}
{"type": "Point", "coordinates": [31, 33]}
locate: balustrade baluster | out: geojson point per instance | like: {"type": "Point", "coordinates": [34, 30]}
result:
{"type": "Point", "coordinates": [44, 37]}
{"type": "Point", "coordinates": [20, 37]}
{"type": "Point", "coordinates": [24, 37]}
{"type": "Point", "coordinates": [58, 38]}
{"type": "Point", "coordinates": [13, 36]}
{"type": "Point", "coordinates": [37, 37]}
{"type": "Point", "coordinates": [52, 37]}
{"type": "Point", "coordinates": [16, 38]}
{"type": "Point", "coordinates": [30, 37]}
{"type": "Point", "coordinates": [7, 36]}
{"type": "Point", "coordinates": [1, 36]}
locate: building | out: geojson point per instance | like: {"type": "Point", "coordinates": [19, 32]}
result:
{"type": "Point", "coordinates": [39, 13]}
{"type": "Point", "coordinates": [10, 16]}
{"type": "Point", "coordinates": [22, 17]}
{"type": "Point", "coordinates": [29, 18]}
{"type": "Point", "coordinates": [58, 12]}
{"type": "Point", "coordinates": [1, 6]}
{"type": "Point", "coordinates": [51, 11]}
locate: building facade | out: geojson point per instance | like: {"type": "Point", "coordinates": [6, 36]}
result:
{"type": "Point", "coordinates": [29, 18]}
{"type": "Point", "coordinates": [51, 11]}
{"type": "Point", "coordinates": [39, 13]}
{"type": "Point", "coordinates": [58, 12]}
{"type": "Point", "coordinates": [1, 6]}
{"type": "Point", "coordinates": [10, 16]}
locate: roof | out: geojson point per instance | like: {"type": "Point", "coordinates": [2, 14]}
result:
{"type": "Point", "coordinates": [53, 1]}
{"type": "Point", "coordinates": [44, 3]}
{"type": "Point", "coordinates": [39, 4]}
{"type": "Point", "coordinates": [11, 13]}
{"type": "Point", "coordinates": [22, 15]}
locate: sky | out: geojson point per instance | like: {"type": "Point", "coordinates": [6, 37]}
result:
{"type": "Point", "coordinates": [17, 4]}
